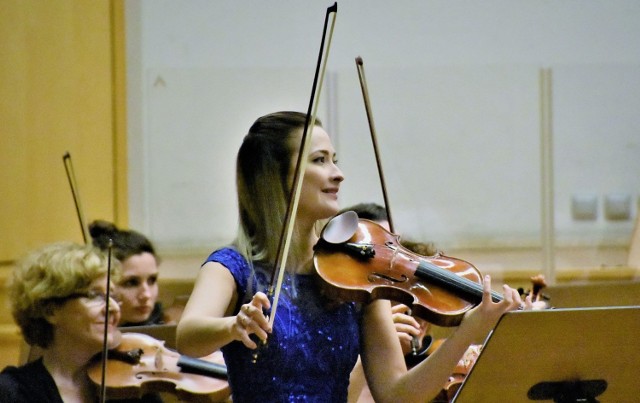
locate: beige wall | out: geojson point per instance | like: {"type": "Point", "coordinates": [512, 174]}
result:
{"type": "Point", "coordinates": [57, 95]}
{"type": "Point", "coordinates": [62, 74]}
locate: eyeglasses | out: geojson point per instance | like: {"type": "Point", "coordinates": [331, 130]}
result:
{"type": "Point", "coordinates": [93, 297]}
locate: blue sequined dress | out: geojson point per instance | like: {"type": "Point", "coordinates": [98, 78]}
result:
{"type": "Point", "coordinates": [311, 352]}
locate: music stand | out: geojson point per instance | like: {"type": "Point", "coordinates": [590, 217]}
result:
{"type": "Point", "coordinates": [558, 355]}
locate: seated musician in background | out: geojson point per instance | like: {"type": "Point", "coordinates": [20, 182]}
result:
{"type": "Point", "coordinates": [58, 296]}
{"type": "Point", "coordinates": [411, 330]}
{"type": "Point", "coordinates": [138, 285]}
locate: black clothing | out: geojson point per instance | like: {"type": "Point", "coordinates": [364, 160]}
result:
{"type": "Point", "coordinates": [30, 383]}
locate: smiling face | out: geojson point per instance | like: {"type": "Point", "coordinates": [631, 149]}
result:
{"type": "Point", "coordinates": [322, 178]}
{"type": "Point", "coordinates": [138, 287]}
{"type": "Point", "coordinates": [80, 321]}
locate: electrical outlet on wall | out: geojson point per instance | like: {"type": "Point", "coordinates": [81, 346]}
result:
{"type": "Point", "coordinates": [584, 206]}
{"type": "Point", "coordinates": [617, 206]}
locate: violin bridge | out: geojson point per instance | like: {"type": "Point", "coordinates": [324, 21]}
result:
{"type": "Point", "coordinates": [158, 361]}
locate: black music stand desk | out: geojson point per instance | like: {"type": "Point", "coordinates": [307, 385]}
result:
{"type": "Point", "coordinates": [559, 355]}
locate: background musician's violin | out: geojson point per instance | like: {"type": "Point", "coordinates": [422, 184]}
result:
{"type": "Point", "coordinates": [141, 364]}
{"type": "Point", "coordinates": [538, 298]}
{"type": "Point", "coordinates": [359, 260]}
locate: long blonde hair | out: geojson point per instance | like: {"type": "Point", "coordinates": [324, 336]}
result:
{"type": "Point", "coordinates": [262, 177]}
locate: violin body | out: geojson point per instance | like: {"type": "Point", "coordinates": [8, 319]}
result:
{"type": "Point", "coordinates": [373, 264]}
{"type": "Point", "coordinates": [159, 369]}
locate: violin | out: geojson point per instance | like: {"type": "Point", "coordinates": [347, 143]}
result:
{"type": "Point", "coordinates": [141, 364]}
{"type": "Point", "coordinates": [359, 260]}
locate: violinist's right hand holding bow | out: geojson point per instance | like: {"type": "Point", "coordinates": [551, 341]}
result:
{"type": "Point", "coordinates": [207, 324]}
{"type": "Point", "coordinates": [251, 320]}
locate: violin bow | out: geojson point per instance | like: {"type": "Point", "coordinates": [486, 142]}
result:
{"type": "Point", "coordinates": [71, 176]}
{"type": "Point", "coordinates": [68, 166]}
{"type": "Point", "coordinates": [105, 350]}
{"type": "Point", "coordinates": [292, 206]}
{"type": "Point", "coordinates": [374, 142]}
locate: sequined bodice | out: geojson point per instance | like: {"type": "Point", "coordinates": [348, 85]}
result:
{"type": "Point", "coordinates": [309, 355]}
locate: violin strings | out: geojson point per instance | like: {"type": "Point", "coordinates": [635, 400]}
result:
{"type": "Point", "coordinates": [446, 277]}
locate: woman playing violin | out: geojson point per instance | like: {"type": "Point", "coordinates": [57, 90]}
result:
{"type": "Point", "coordinates": [310, 350]}
{"type": "Point", "coordinates": [138, 285]}
{"type": "Point", "coordinates": [58, 298]}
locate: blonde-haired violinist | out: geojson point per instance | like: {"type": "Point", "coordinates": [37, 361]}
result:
{"type": "Point", "coordinates": [312, 346]}
{"type": "Point", "coordinates": [58, 299]}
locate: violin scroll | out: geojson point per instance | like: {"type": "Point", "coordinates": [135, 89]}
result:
{"type": "Point", "coordinates": [538, 298]}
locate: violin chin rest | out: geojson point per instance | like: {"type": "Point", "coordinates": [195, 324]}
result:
{"type": "Point", "coordinates": [340, 228]}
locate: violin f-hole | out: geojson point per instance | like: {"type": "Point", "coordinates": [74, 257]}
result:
{"type": "Point", "coordinates": [373, 278]}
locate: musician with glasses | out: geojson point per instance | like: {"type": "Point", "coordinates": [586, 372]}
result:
{"type": "Point", "coordinates": [58, 299]}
